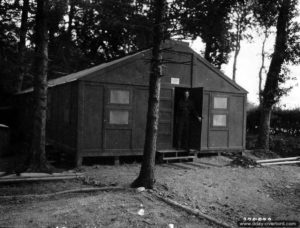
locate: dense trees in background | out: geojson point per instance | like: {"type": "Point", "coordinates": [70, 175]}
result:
{"type": "Point", "coordinates": [284, 131]}
{"type": "Point", "coordinates": [22, 45]}
{"type": "Point", "coordinates": [283, 122]}
{"type": "Point", "coordinates": [8, 44]}
{"type": "Point", "coordinates": [81, 34]}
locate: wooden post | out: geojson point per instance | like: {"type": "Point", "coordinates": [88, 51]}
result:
{"type": "Point", "coordinates": [117, 160]}
{"type": "Point", "coordinates": [78, 161]}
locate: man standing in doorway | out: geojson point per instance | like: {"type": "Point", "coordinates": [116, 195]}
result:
{"type": "Point", "coordinates": [185, 109]}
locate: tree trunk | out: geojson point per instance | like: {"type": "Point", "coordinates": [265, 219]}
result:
{"type": "Point", "coordinates": [264, 134]}
{"type": "Point", "coordinates": [38, 160]}
{"type": "Point", "coordinates": [262, 67]}
{"type": "Point", "coordinates": [238, 36]}
{"type": "Point", "coordinates": [22, 44]}
{"type": "Point", "coordinates": [271, 90]}
{"type": "Point", "coordinates": [207, 51]}
{"type": "Point", "coordinates": [146, 177]}
{"type": "Point", "coordinates": [236, 53]}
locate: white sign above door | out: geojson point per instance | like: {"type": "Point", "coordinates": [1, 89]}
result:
{"type": "Point", "coordinates": [175, 81]}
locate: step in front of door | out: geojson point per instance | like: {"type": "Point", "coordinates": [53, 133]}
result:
{"type": "Point", "coordinates": [175, 155]}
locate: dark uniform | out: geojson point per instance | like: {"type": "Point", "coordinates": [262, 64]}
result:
{"type": "Point", "coordinates": [185, 109]}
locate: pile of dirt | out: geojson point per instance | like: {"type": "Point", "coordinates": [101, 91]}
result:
{"type": "Point", "coordinates": [245, 162]}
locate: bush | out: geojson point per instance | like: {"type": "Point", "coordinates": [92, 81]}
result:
{"type": "Point", "coordinates": [283, 122]}
{"type": "Point", "coordinates": [285, 146]}
{"type": "Point", "coordinates": [285, 131]}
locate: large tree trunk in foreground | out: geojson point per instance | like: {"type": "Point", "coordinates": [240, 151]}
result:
{"type": "Point", "coordinates": [271, 93]}
{"type": "Point", "coordinates": [146, 177]}
{"type": "Point", "coordinates": [22, 44]}
{"type": "Point", "coordinates": [38, 160]}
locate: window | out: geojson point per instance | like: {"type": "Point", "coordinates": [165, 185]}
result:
{"type": "Point", "coordinates": [220, 102]}
{"type": "Point", "coordinates": [219, 120]}
{"type": "Point", "coordinates": [118, 116]}
{"type": "Point", "coordinates": [219, 111]}
{"type": "Point", "coordinates": [119, 96]}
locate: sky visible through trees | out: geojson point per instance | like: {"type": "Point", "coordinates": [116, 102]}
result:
{"type": "Point", "coordinates": [248, 67]}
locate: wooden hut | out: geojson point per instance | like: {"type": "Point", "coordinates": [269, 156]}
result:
{"type": "Point", "coordinates": [101, 111]}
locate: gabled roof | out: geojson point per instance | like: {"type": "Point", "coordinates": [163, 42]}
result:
{"type": "Point", "coordinates": [220, 73]}
{"type": "Point", "coordinates": [80, 74]}
{"type": "Point", "coordinates": [208, 64]}
{"type": "Point", "coordinates": [83, 73]}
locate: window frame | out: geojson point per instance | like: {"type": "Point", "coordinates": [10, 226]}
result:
{"type": "Point", "coordinates": [212, 120]}
{"type": "Point", "coordinates": [119, 89]}
{"type": "Point", "coordinates": [219, 96]}
{"type": "Point", "coordinates": [118, 126]}
{"type": "Point", "coordinates": [116, 106]}
{"type": "Point", "coordinates": [120, 110]}
{"type": "Point", "coordinates": [219, 111]}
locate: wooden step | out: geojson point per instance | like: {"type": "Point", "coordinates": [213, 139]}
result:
{"type": "Point", "coordinates": [174, 151]}
{"type": "Point", "coordinates": [178, 158]}
{"type": "Point", "coordinates": [174, 154]}
{"type": "Point", "coordinates": [170, 151]}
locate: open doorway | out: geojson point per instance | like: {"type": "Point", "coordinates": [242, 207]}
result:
{"type": "Point", "coordinates": [187, 135]}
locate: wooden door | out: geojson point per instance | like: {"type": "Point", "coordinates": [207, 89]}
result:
{"type": "Point", "coordinates": [179, 93]}
{"type": "Point", "coordinates": [196, 95]}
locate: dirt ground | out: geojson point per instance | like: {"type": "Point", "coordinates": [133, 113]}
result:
{"type": "Point", "coordinates": [208, 184]}
{"type": "Point", "coordinates": [105, 209]}
{"type": "Point", "coordinates": [227, 193]}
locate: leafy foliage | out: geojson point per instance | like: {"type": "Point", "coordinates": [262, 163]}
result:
{"type": "Point", "coordinates": [242, 20]}
{"type": "Point", "coordinates": [81, 34]}
{"type": "Point", "coordinates": [266, 14]}
{"type": "Point", "coordinates": [8, 44]}
{"type": "Point", "coordinates": [211, 21]}
{"type": "Point", "coordinates": [283, 122]}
